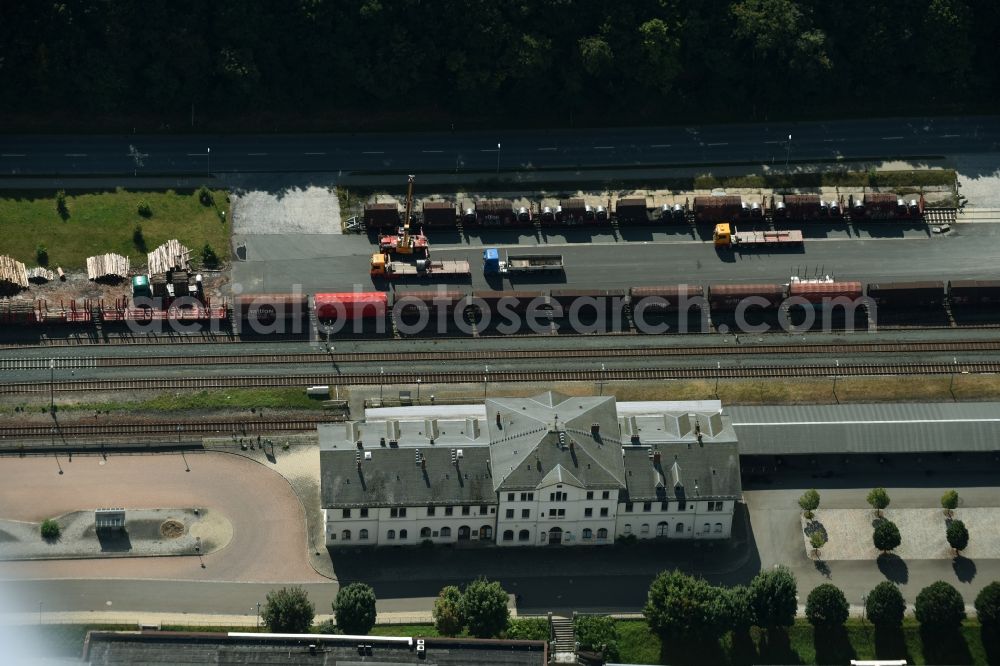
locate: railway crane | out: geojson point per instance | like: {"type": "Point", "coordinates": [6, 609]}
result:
{"type": "Point", "coordinates": [403, 242]}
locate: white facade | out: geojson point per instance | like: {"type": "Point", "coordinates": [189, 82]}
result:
{"type": "Point", "coordinates": [698, 520]}
{"type": "Point", "coordinates": [410, 525]}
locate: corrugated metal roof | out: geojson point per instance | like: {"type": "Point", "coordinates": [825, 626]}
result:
{"type": "Point", "coordinates": [867, 428]}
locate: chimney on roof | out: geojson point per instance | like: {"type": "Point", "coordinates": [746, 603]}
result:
{"type": "Point", "coordinates": [454, 457]}
{"type": "Point", "coordinates": [423, 463]}
{"type": "Point", "coordinates": [417, 458]}
{"type": "Point", "coordinates": [595, 428]}
{"type": "Point", "coordinates": [572, 445]}
{"type": "Point", "coordinates": [498, 419]}
{"type": "Point", "coordinates": [360, 444]}
{"type": "Point", "coordinates": [656, 458]}
{"type": "Point", "coordinates": [635, 439]}
{"type": "Point", "coordinates": [357, 459]}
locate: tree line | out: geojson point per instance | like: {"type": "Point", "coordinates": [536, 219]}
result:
{"type": "Point", "coordinates": [326, 64]}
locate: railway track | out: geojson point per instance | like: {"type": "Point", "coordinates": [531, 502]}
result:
{"type": "Point", "coordinates": [306, 358]}
{"type": "Point", "coordinates": [165, 429]}
{"type": "Point", "coordinates": [347, 379]}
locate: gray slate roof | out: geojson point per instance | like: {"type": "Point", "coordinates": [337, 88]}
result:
{"type": "Point", "coordinates": [394, 477]}
{"type": "Point", "coordinates": [538, 434]}
{"type": "Point", "coordinates": [709, 471]}
{"type": "Point", "coordinates": [868, 428]}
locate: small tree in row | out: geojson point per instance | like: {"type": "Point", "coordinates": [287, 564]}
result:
{"type": "Point", "coordinates": [481, 607]}
{"type": "Point", "coordinates": [957, 535]}
{"type": "Point", "coordinates": [354, 609]}
{"type": "Point", "coordinates": [288, 611]}
{"type": "Point", "coordinates": [885, 605]}
{"type": "Point", "coordinates": [886, 536]}
{"type": "Point", "coordinates": [949, 502]}
{"type": "Point", "coordinates": [940, 606]}
{"type": "Point", "coordinates": [878, 498]}
{"type": "Point", "coordinates": [809, 502]}
{"type": "Point", "coordinates": [826, 607]}
{"type": "Point", "coordinates": [988, 607]}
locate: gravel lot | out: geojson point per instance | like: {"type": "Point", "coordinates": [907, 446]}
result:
{"type": "Point", "coordinates": [922, 532]}
{"type": "Point", "coordinates": [313, 210]}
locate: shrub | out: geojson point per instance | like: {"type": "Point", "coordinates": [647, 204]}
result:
{"type": "Point", "coordinates": [685, 607]}
{"type": "Point", "coordinates": [484, 608]}
{"type": "Point", "coordinates": [886, 536]}
{"type": "Point", "coordinates": [949, 501]}
{"type": "Point", "coordinates": [354, 609]}
{"type": "Point", "coordinates": [885, 605]}
{"type": "Point", "coordinates": [826, 606]}
{"type": "Point", "coordinates": [205, 196]}
{"type": "Point", "coordinates": [879, 499]}
{"type": "Point", "coordinates": [61, 207]}
{"type": "Point", "coordinates": [447, 611]}
{"type": "Point", "coordinates": [958, 535]}
{"type": "Point", "coordinates": [740, 609]}
{"type": "Point", "coordinates": [988, 606]}
{"type": "Point", "coordinates": [528, 629]}
{"type": "Point", "coordinates": [144, 209]}
{"type": "Point", "coordinates": [817, 539]}
{"type": "Point", "coordinates": [208, 257]}
{"type": "Point", "coordinates": [288, 611]}
{"type": "Point", "coordinates": [138, 239]}
{"type": "Point", "coordinates": [596, 633]}
{"type": "Point", "coordinates": [772, 597]}
{"type": "Point", "coordinates": [809, 500]}
{"type": "Point", "coordinates": [939, 606]}
{"type": "Point", "coordinates": [50, 529]}
{"type": "Point", "coordinates": [42, 255]}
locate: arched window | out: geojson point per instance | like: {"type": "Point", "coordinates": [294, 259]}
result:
{"type": "Point", "coordinates": [346, 535]}
{"type": "Point", "coordinates": [718, 527]}
{"type": "Point", "coordinates": [485, 532]}
{"type": "Point", "coordinates": [644, 530]}
{"type": "Point", "coordinates": [391, 534]}
{"type": "Point", "coordinates": [425, 533]}
{"type": "Point", "coordinates": [627, 529]}
{"type": "Point", "coordinates": [446, 531]}
{"type": "Point", "coordinates": [363, 534]}
{"type": "Point", "coordinates": [508, 535]}
{"type": "Point", "coordinates": [402, 534]}
{"type": "Point", "coordinates": [523, 535]}
{"type": "Point", "coordinates": [602, 533]}
{"type": "Point", "coordinates": [661, 529]}
{"type": "Point", "coordinates": [588, 533]}
{"type": "Point", "coordinates": [706, 528]}
{"type": "Point", "coordinates": [679, 528]}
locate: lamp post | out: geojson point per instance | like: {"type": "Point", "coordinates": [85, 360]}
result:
{"type": "Point", "coordinates": [498, 158]}
{"type": "Point", "coordinates": [788, 151]}
{"type": "Point", "coordinates": [258, 615]}
{"type": "Point", "coordinates": [208, 154]}
{"type": "Point", "coordinates": [486, 378]}
{"type": "Point", "coordinates": [381, 384]}
{"type": "Point", "coordinates": [419, 380]}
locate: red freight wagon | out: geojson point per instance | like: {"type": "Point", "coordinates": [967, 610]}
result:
{"type": "Point", "coordinates": [729, 296]}
{"type": "Point", "coordinates": [351, 305]}
{"type": "Point", "coordinates": [717, 208]}
{"type": "Point", "coordinates": [647, 297]}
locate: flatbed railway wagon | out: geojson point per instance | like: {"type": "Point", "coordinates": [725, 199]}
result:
{"type": "Point", "coordinates": [727, 236]}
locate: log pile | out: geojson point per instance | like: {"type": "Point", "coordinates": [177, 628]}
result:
{"type": "Point", "coordinates": [13, 276]}
{"type": "Point", "coordinates": [106, 266]}
{"type": "Point", "coordinates": [169, 256]}
{"type": "Point", "coordinates": [40, 275]}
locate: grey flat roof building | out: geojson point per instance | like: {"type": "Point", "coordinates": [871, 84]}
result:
{"type": "Point", "coordinates": [881, 428]}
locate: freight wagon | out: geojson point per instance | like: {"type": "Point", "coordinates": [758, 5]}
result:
{"type": "Point", "coordinates": [928, 294]}
{"type": "Point", "coordinates": [439, 213]}
{"type": "Point", "coordinates": [666, 298]}
{"type": "Point", "coordinates": [717, 208]}
{"type": "Point", "coordinates": [347, 306]}
{"type": "Point", "coordinates": [965, 293]}
{"type": "Point", "coordinates": [632, 211]}
{"type": "Point", "coordinates": [820, 292]}
{"type": "Point", "coordinates": [727, 297]}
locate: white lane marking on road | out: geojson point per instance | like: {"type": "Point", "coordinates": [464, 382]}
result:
{"type": "Point", "coordinates": [76, 154]}
{"type": "Point", "coordinates": [719, 143]}
{"type": "Point", "coordinates": [950, 136]}
{"type": "Point", "coordinates": [547, 149]}
{"type": "Point", "coordinates": [373, 152]}
{"type": "Point", "coordinates": [659, 145]}
{"type": "Point", "coordinates": [892, 138]}
{"type": "Point", "coordinates": [772, 142]}
{"type": "Point", "coordinates": [196, 154]}
{"type": "Point", "coordinates": [256, 154]}
{"type": "Point", "coordinates": [11, 154]}
{"type": "Point", "coordinates": [432, 151]}
{"type": "Point", "coordinates": [604, 147]}
{"type": "Point", "coordinates": [315, 153]}
{"type": "Point", "coordinates": [488, 150]}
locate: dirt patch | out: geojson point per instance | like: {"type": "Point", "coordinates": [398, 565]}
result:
{"type": "Point", "coordinates": [171, 529]}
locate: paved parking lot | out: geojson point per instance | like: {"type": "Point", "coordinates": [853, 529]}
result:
{"type": "Point", "coordinates": [269, 534]}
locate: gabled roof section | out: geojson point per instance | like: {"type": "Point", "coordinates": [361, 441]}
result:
{"type": "Point", "coordinates": [559, 474]}
{"type": "Point", "coordinates": [529, 437]}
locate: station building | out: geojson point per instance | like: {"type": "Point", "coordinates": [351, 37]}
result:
{"type": "Point", "coordinates": [546, 470]}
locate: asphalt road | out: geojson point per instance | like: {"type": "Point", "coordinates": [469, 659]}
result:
{"type": "Point", "coordinates": [878, 252]}
{"type": "Point", "coordinates": [500, 150]}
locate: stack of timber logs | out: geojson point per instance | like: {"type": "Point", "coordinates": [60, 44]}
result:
{"type": "Point", "coordinates": [169, 256]}
{"type": "Point", "coordinates": [13, 276]}
{"type": "Point", "coordinates": [106, 266]}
